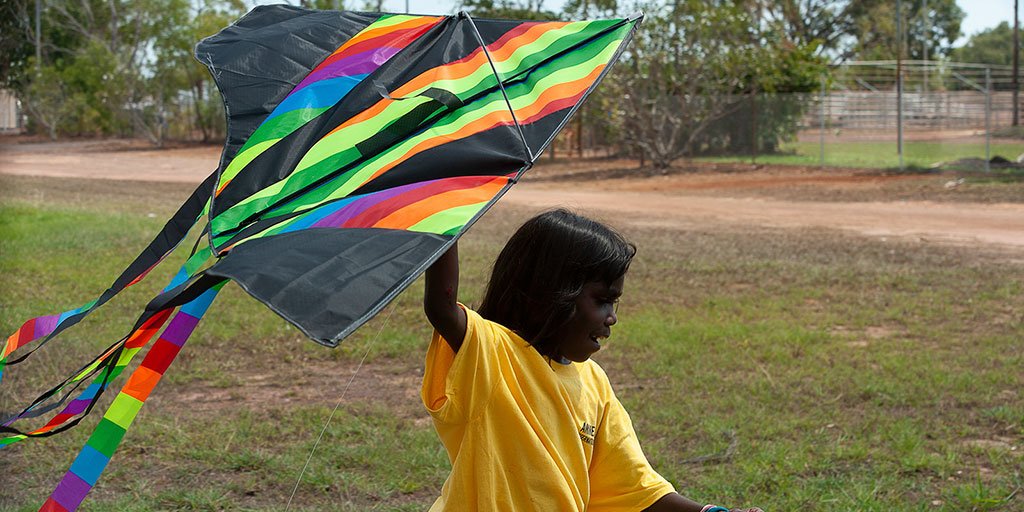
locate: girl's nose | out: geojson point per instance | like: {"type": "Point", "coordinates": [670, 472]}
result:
{"type": "Point", "coordinates": [612, 318]}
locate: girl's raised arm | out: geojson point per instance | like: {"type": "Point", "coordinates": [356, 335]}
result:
{"type": "Point", "coordinates": [440, 298]}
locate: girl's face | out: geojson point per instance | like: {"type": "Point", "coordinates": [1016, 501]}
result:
{"type": "Point", "coordinates": [592, 323]}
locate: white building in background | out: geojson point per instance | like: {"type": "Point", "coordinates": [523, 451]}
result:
{"type": "Point", "coordinates": [10, 113]}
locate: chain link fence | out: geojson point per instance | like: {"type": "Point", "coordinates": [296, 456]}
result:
{"type": "Point", "coordinates": [940, 115]}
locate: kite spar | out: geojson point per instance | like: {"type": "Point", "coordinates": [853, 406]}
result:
{"type": "Point", "coordinates": [360, 146]}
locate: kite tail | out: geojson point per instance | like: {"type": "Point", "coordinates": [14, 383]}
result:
{"type": "Point", "coordinates": [113, 361]}
{"type": "Point", "coordinates": [100, 447]}
{"type": "Point", "coordinates": [184, 287]}
{"type": "Point", "coordinates": [174, 231]}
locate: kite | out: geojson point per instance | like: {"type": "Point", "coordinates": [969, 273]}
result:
{"type": "Point", "coordinates": [360, 146]}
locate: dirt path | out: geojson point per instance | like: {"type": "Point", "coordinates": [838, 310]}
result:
{"type": "Point", "coordinates": [673, 202]}
{"type": "Point", "coordinates": [968, 224]}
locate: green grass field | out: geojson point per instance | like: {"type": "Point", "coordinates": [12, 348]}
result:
{"type": "Point", "coordinates": [788, 369]}
{"type": "Point", "coordinates": [881, 155]}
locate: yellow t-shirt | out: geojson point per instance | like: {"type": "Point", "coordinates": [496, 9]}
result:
{"type": "Point", "coordinates": [526, 434]}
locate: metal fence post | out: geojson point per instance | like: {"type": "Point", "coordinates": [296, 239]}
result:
{"type": "Point", "coordinates": [754, 132]}
{"type": "Point", "coordinates": [899, 81]}
{"type": "Point", "coordinates": [988, 118]}
{"type": "Point", "coordinates": [821, 122]}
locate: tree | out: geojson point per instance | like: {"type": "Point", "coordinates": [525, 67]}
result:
{"type": "Point", "coordinates": [180, 84]}
{"type": "Point", "coordinates": [991, 46]}
{"type": "Point", "coordinates": [929, 29]}
{"type": "Point", "coordinates": [696, 64]}
{"type": "Point", "coordinates": [119, 67]}
{"type": "Point", "coordinates": [866, 29]}
{"type": "Point", "coordinates": [16, 48]}
{"type": "Point", "coordinates": [825, 25]}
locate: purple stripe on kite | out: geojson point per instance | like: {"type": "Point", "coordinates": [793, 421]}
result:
{"type": "Point", "coordinates": [365, 203]}
{"type": "Point", "coordinates": [77, 406]}
{"type": "Point", "coordinates": [44, 325]}
{"type": "Point", "coordinates": [180, 328]}
{"type": "Point", "coordinates": [320, 95]}
{"type": "Point", "coordinates": [71, 491]}
{"type": "Point", "coordinates": [89, 464]}
{"type": "Point", "coordinates": [362, 63]}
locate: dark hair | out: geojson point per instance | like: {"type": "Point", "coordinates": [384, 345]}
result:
{"type": "Point", "coordinates": [542, 269]}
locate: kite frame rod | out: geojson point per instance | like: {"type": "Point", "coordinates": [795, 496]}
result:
{"type": "Point", "coordinates": [501, 85]}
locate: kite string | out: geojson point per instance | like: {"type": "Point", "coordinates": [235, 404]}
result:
{"type": "Point", "coordinates": [337, 406]}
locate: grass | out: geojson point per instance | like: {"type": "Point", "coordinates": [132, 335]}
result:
{"type": "Point", "coordinates": [789, 369]}
{"type": "Point", "coordinates": [880, 155]}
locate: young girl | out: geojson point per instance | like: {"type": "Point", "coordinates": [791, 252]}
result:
{"type": "Point", "coordinates": [530, 423]}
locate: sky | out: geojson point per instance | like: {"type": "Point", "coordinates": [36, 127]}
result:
{"type": "Point", "coordinates": [981, 14]}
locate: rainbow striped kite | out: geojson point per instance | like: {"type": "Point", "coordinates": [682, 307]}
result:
{"type": "Point", "coordinates": [360, 146]}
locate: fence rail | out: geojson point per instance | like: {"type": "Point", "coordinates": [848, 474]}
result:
{"type": "Point", "coordinates": [929, 110]}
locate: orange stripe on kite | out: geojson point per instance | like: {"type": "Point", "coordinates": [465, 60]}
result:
{"type": "Point", "coordinates": [551, 95]}
{"type": "Point", "coordinates": [141, 383]}
{"type": "Point", "coordinates": [456, 70]}
{"type": "Point", "coordinates": [362, 116]}
{"type": "Point", "coordinates": [372, 38]}
{"type": "Point", "coordinates": [416, 212]}
{"type": "Point", "coordinates": [502, 50]}
{"type": "Point", "coordinates": [499, 50]}
{"type": "Point", "coordinates": [484, 123]}
{"type": "Point", "coordinates": [559, 92]}
{"type": "Point", "coordinates": [381, 31]}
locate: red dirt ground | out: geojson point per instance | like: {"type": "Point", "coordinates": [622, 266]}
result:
{"type": "Point", "coordinates": [720, 194]}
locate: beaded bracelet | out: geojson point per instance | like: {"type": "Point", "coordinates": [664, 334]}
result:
{"type": "Point", "coordinates": [713, 508]}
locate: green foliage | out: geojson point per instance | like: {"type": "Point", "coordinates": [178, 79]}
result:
{"type": "Point", "coordinates": [589, 9]}
{"type": "Point", "coordinates": [180, 81]}
{"type": "Point", "coordinates": [15, 48]}
{"type": "Point", "coordinates": [510, 9]}
{"type": "Point", "coordinates": [122, 68]}
{"type": "Point", "coordinates": [866, 29]}
{"type": "Point", "coordinates": [687, 81]}
{"type": "Point", "coordinates": [992, 46]}
{"type": "Point", "coordinates": [928, 30]}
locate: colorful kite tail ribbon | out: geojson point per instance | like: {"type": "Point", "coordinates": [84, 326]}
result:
{"type": "Point", "coordinates": [93, 459]}
{"type": "Point", "coordinates": [173, 232]}
{"type": "Point", "coordinates": [119, 355]}
{"type": "Point", "coordinates": [187, 284]}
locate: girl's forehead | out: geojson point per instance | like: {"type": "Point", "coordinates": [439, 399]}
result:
{"type": "Point", "coordinates": [613, 288]}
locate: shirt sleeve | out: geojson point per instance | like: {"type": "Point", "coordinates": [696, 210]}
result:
{"type": "Point", "coordinates": [621, 478]}
{"type": "Point", "coordinates": [456, 386]}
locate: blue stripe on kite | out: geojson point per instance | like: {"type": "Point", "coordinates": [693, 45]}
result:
{"type": "Point", "coordinates": [322, 94]}
{"type": "Point", "coordinates": [178, 278]}
{"type": "Point", "coordinates": [89, 464]}
{"type": "Point", "coordinates": [310, 218]}
{"type": "Point", "coordinates": [197, 307]}
{"type": "Point", "coordinates": [89, 392]}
